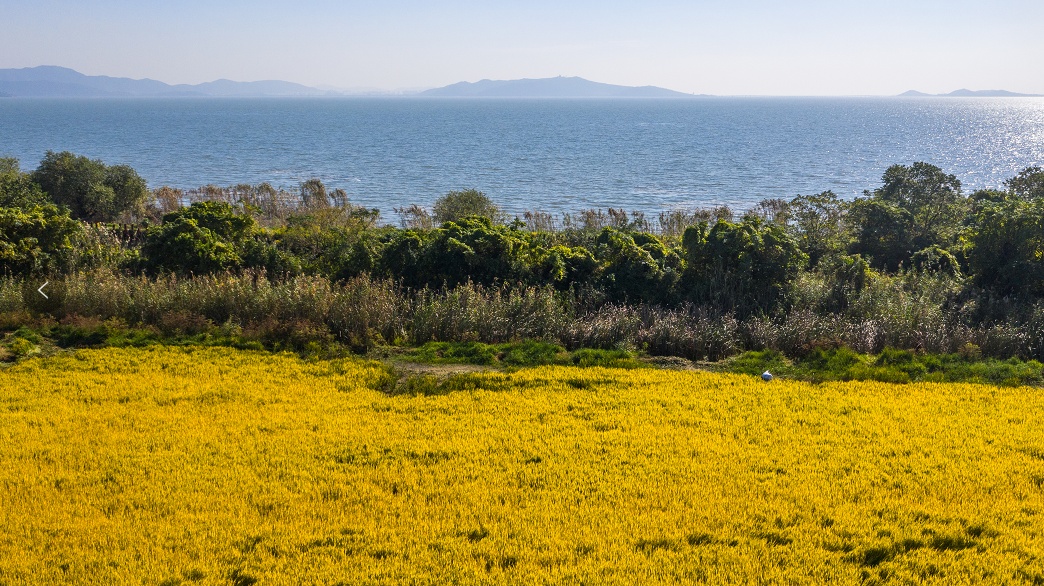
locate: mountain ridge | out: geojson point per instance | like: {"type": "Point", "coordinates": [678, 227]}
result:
{"type": "Point", "coordinates": [548, 87]}
{"type": "Point", "coordinates": [48, 81]}
{"type": "Point", "coordinates": [966, 93]}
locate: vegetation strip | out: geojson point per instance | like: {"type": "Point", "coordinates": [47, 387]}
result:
{"type": "Point", "coordinates": [915, 264]}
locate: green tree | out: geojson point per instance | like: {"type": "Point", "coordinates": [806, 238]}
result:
{"type": "Point", "coordinates": [457, 205]}
{"type": "Point", "coordinates": [403, 257]}
{"type": "Point", "coordinates": [746, 267]}
{"type": "Point", "coordinates": [636, 267]}
{"type": "Point", "coordinates": [205, 237]}
{"type": "Point", "coordinates": [218, 217]}
{"type": "Point", "coordinates": [880, 230]}
{"type": "Point", "coordinates": [91, 190]}
{"type": "Point", "coordinates": [17, 189]}
{"type": "Point", "coordinates": [916, 208]}
{"type": "Point", "coordinates": [474, 249]}
{"type": "Point", "coordinates": [563, 266]}
{"type": "Point", "coordinates": [819, 223]}
{"type": "Point", "coordinates": [1028, 184]}
{"type": "Point", "coordinates": [932, 197]}
{"type": "Point", "coordinates": [936, 260]}
{"type": "Point", "coordinates": [35, 239]}
{"type": "Point", "coordinates": [129, 192]}
{"type": "Point", "coordinates": [1007, 247]}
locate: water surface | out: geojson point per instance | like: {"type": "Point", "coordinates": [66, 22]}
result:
{"type": "Point", "coordinates": [551, 155]}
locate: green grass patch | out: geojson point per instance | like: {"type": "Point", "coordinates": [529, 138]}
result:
{"type": "Point", "coordinates": [756, 362]}
{"type": "Point", "coordinates": [891, 365]}
{"type": "Point", "coordinates": [606, 358]}
{"type": "Point", "coordinates": [530, 353]}
{"type": "Point", "coordinates": [454, 353]}
{"type": "Point", "coordinates": [518, 354]}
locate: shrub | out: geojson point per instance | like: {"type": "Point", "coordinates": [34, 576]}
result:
{"type": "Point", "coordinates": [472, 249]}
{"type": "Point", "coordinates": [203, 238]}
{"type": "Point", "coordinates": [637, 268]}
{"type": "Point", "coordinates": [35, 240]}
{"type": "Point", "coordinates": [457, 205]}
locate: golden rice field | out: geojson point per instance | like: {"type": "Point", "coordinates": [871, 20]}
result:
{"type": "Point", "coordinates": [216, 466]}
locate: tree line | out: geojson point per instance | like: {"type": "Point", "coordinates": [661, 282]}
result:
{"type": "Point", "coordinates": [817, 251]}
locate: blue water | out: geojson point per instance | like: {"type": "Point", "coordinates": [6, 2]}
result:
{"type": "Point", "coordinates": [548, 155]}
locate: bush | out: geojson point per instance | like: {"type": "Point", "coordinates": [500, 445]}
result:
{"type": "Point", "coordinates": [457, 205]}
{"type": "Point", "coordinates": [35, 240]}
{"type": "Point", "coordinates": [472, 249]}
{"type": "Point", "coordinates": [206, 237]}
{"type": "Point", "coordinates": [636, 268]}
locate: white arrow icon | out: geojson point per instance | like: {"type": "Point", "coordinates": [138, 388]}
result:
{"type": "Point", "coordinates": [40, 290]}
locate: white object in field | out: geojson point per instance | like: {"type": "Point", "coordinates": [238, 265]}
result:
{"type": "Point", "coordinates": [766, 376]}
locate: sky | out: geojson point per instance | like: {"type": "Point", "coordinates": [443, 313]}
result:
{"type": "Point", "coordinates": [721, 47]}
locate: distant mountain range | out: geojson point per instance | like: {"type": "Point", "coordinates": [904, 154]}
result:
{"type": "Point", "coordinates": [50, 81]}
{"type": "Point", "coordinates": [60, 82]}
{"type": "Point", "coordinates": [963, 93]}
{"type": "Point", "coordinates": [551, 87]}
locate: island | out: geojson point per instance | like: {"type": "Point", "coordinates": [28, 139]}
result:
{"type": "Point", "coordinates": [550, 87]}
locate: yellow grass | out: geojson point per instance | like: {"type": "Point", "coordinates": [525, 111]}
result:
{"type": "Point", "coordinates": [217, 466]}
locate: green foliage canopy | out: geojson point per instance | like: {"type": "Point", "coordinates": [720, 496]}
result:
{"type": "Point", "coordinates": [1028, 184]}
{"type": "Point", "coordinates": [1007, 247]}
{"type": "Point", "coordinates": [457, 205]}
{"type": "Point", "coordinates": [17, 189]}
{"type": "Point", "coordinates": [35, 240]}
{"type": "Point", "coordinates": [745, 267]}
{"type": "Point", "coordinates": [205, 237]}
{"type": "Point", "coordinates": [917, 207]}
{"type": "Point", "coordinates": [91, 190]}
{"type": "Point", "coordinates": [636, 267]}
{"type": "Point", "coordinates": [819, 223]}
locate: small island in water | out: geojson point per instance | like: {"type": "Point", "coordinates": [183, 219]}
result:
{"type": "Point", "coordinates": [966, 93]}
{"type": "Point", "coordinates": [551, 87]}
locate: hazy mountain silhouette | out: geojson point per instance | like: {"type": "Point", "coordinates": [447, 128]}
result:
{"type": "Point", "coordinates": [551, 87]}
{"type": "Point", "coordinates": [964, 93]}
{"type": "Point", "coordinates": [60, 82]}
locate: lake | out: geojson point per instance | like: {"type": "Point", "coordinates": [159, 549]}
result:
{"type": "Point", "coordinates": [548, 155]}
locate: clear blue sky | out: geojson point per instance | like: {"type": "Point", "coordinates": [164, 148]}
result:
{"type": "Point", "coordinates": [803, 47]}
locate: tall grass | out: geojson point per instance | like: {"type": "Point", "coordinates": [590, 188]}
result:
{"type": "Point", "coordinates": [363, 312]}
{"type": "Point", "coordinates": [472, 312]}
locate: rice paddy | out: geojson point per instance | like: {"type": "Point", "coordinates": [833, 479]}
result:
{"type": "Point", "coordinates": [188, 465]}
